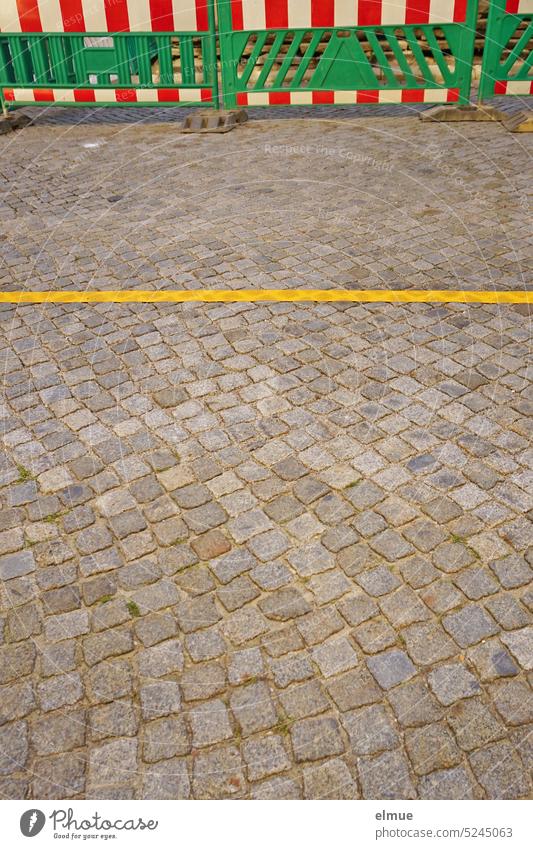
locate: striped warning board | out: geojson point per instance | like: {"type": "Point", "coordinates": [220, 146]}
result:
{"type": "Point", "coordinates": [104, 16]}
{"type": "Point", "coordinates": [288, 14]}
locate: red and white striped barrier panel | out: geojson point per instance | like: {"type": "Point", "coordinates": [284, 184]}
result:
{"type": "Point", "coordinates": [513, 87]}
{"type": "Point", "coordinates": [107, 95]}
{"type": "Point", "coordinates": [101, 16]}
{"type": "Point", "coordinates": [519, 7]}
{"type": "Point", "coordinates": [298, 14]}
{"type": "Point", "coordinates": [308, 98]}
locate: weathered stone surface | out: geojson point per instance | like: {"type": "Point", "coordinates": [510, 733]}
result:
{"type": "Point", "coordinates": [474, 725]}
{"type": "Point", "coordinates": [331, 780]}
{"type": "Point", "coordinates": [244, 665]}
{"type": "Point", "coordinates": [391, 668]}
{"type": "Point", "coordinates": [414, 704]}
{"type": "Point", "coordinates": [491, 660]}
{"type": "Point", "coordinates": [13, 747]}
{"type": "Point", "coordinates": [118, 719]}
{"type": "Point", "coordinates": [452, 783]}
{"type": "Point", "coordinates": [386, 776]}
{"type": "Point", "coordinates": [357, 609]}
{"type": "Point", "coordinates": [15, 565]}
{"type": "Point", "coordinates": [165, 738]}
{"type": "Point", "coordinates": [162, 659]}
{"type": "Point", "coordinates": [111, 643]}
{"type": "Point", "coordinates": [66, 625]}
{"type": "Point", "coordinates": [110, 680]}
{"type": "Point", "coordinates": [197, 613]}
{"type": "Point", "coordinates": [16, 661]}
{"type": "Point", "coordinates": [370, 730]}
{"type": "Point", "coordinates": [283, 604]}
{"type": "Point", "coordinates": [316, 738]}
{"type": "Point", "coordinates": [218, 774]}
{"type": "Point", "coordinates": [469, 625]}
{"type": "Point", "coordinates": [354, 689]}
{"type": "Point", "coordinates": [520, 644]}
{"type": "Point", "coordinates": [427, 643]}
{"type": "Point", "coordinates": [59, 691]}
{"type": "Point", "coordinates": [160, 699]}
{"type": "Point", "coordinates": [452, 682]}
{"type": "Point", "coordinates": [58, 776]}
{"type": "Point", "coordinates": [113, 763]}
{"type": "Point", "coordinates": [513, 702]}
{"type": "Point", "coordinates": [167, 779]}
{"type": "Point", "coordinates": [276, 788]}
{"type": "Point", "coordinates": [500, 772]}
{"type": "Point", "coordinates": [265, 757]}
{"type": "Point", "coordinates": [59, 732]}
{"type": "Point", "coordinates": [432, 747]}
{"type": "Point", "coordinates": [334, 656]}
{"type": "Point", "coordinates": [253, 708]}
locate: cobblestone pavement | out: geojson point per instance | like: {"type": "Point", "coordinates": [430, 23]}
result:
{"type": "Point", "coordinates": [370, 203]}
{"type": "Point", "coordinates": [264, 551]}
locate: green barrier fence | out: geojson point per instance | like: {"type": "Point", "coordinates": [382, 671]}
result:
{"type": "Point", "coordinates": [108, 52]}
{"type": "Point", "coordinates": [508, 49]}
{"type": "Point", "coordinates": [374, 51]}
{"type": "Point", "coordinates": [266, 52]}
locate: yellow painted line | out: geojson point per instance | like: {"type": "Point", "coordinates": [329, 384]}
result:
{"type": "Point", "coordinates": [226, 296]}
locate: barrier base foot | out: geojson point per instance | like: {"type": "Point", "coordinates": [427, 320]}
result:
{"type": "Point", "coordinates": [13, 121]}
{"type": "Point", "coordinates": [522, 122]}
{"type": "Point", "coordinates": [214, 121]}
{"type": "Point", "coordinates": [462, 113]}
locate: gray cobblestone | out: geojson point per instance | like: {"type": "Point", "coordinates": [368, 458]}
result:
{"type": "Point", "coordinates": [391, 668]}
{"type": "Point", "coordinates": [386, 776]}
{"type": "Point", "coordinates": [15, 565]}
{"type": "Point", "coordinates": [474, 724]}
{"type": "Point", "coordinates": [283, 604]}
{"type": "Point", "coordinates": [162, 659]}
{"type": "Point", "coordinates": [218, 774]}
{"type": "Point", "coordinates": [428, 643]}
{"type": "Point", "coordinates": [265, 757]}
{"type": "Point", "coordinates": [499, 771]}
{"type": "Point", "coordinates": [520, 644]}
{"type": "Point", "coordinates": [491, 660]}
{"type": "Point", "coordinates": [60, 775]}
{"type": "Point", "coordinates": [16, 661]}
{"type": "Point", "coordinates": [253, 708]}
{"type": "Point", "coordinates": [378, 581]}
{"type": "Point", "coordinates": [432, 747]}
{"type": "Point", "coordinates": [165, 738]}
{"type": "Point", "coordinates": [331, 780]}
{"type": "Point", "coordinates": [470, 625]}
{"type": "Point", "coordinates": [447, 784]}
{"type": "Point", "coordinates": [113, 763]}
{"type": "Point", "coordinates": [316, 738]}
{"type": "Point", "coordinates": [117, 719]}
{"type": "Point", "coordinates": [513, 701]}
{"type": "Point", "coordinates": [370, 730]}
{"type": "Point", "coordinates": [59, 732]}
{"type": "Point", "coordinates": [110, 680]}
{"type": "Point", "coordinates": [59, 691]}
{"type": "Point", "coordinates": [414, 704]}
{"type": "Point", "coordinates": [160, 699]}
{"type": "Point", "coordinates": [66, 625]}
{"type": "Point", "coordinates": [245, 664]}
